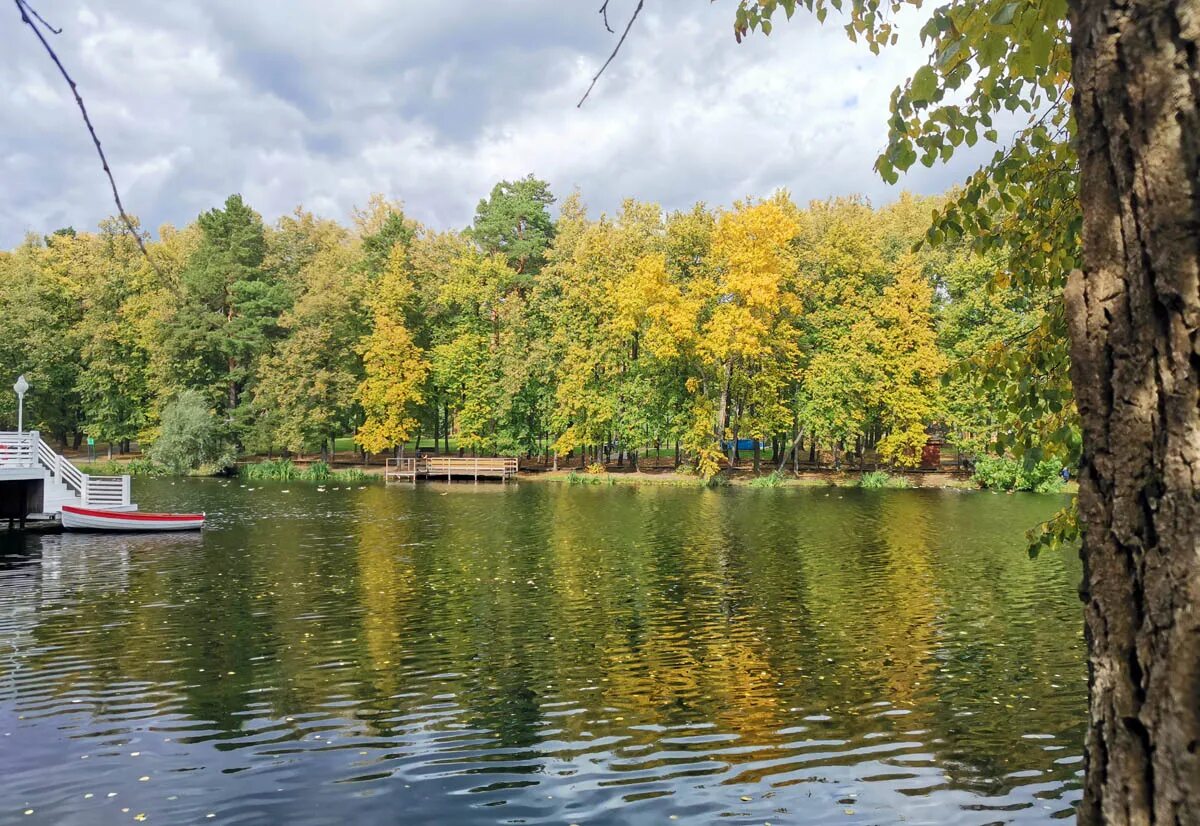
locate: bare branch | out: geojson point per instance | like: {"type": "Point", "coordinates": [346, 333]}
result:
{"type": "Point", "coordinates": [604, 14]}
{"type": "Point", "coordinates": [26, 10]}
{"type": "Point", "coordinates": [41, 19]}
{"type": "Point", "coordinates": [624, 34]}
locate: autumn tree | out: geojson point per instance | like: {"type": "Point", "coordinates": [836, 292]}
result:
{"type": "Point", "coordinates": [602, 376]}
{"type": "Point", "coordinates": [432, 258]}
{"type": "Point", "coordinates": [305, 395]}
{"type": "Point", "coordinates": [395, 369]}
{"type": "Point", "coordinates": [114, 386]}
{"type": "Point", "coordinates": [41, 318]}
{"type": "Point", "coordinates": [906, 364]}
{"type": "Point", "coordinates": [747, 344]}
{"type": "Point", "coordinates": [844, 270]}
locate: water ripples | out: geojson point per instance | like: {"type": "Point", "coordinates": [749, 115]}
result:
{"type": "Point", "coordinates": [541, 654]}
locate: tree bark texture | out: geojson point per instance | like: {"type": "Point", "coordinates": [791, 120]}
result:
{"type": "Point", "coordinates": [1134, 312]}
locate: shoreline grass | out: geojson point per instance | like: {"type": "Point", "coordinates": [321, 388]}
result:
{"type": "Point", "coordinates": [284, 470]}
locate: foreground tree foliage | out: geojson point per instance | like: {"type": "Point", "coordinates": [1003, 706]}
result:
{"type": "Point", "coordinates": [1095, 200]}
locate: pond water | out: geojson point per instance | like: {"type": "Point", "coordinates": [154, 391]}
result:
{"type": "Point", "coordinates": [543, 653]}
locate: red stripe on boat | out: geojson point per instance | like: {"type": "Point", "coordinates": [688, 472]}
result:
{"type": "Point", "coordinates": [134, 515]}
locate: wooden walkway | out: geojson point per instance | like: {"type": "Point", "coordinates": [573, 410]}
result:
{"type": "Point", "coordinates": [450, 467]}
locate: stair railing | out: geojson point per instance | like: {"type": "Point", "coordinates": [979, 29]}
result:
{"type": "Point", "coordinates": [93, 491]}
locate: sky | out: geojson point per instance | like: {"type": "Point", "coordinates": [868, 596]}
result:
{"type": "Point", "coordinates": [430, 103]}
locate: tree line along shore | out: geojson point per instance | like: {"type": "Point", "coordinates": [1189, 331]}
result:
{"type": "Point", "coordinates": [822, 334]}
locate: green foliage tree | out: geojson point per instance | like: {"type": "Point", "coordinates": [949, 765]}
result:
{"type": "Point", "coordinates": [190, 435]}
{"type": "Point", "coordinates": [381, 226]}
{"type": "Point", "coordinates": [227, 313]}
{"type": "Point", "coordinates": [304, 394]}
{"type": "Point", "coordinates": [515, 222]}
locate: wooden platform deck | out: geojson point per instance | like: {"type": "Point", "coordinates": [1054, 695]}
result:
{"type": "Point", "coordinates": [451, 467]}
{"type": "Point", "coordinates": [400, 470]}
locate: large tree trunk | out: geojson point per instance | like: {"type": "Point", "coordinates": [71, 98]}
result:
{"type": "Point", "coordinates": [1134, 312]}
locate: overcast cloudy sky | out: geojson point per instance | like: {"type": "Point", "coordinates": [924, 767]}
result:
{"type": "Point", "coordinates": [321, 104]}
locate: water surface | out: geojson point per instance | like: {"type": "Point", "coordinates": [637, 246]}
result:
{"type": "Point", "coordinates": [538, 653]}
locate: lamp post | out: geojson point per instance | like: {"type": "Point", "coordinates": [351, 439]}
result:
{"type": "Point", "coordinates": [21, 386]}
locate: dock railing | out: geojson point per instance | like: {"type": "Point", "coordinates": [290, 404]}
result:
{"type": "Point", "coordinates": [400, 469]}
{"type": "Point", "coordinates": [28, 450]}
{"type": "Point", "coordinates": [19, 450]}
{"type": "Point", "coordinates": [502, 467]}
{"type": "Point", "coordinates": [407, 469]}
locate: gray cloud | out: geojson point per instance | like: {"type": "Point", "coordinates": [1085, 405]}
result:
{"type": "Point", "coordinates": [431, 103]}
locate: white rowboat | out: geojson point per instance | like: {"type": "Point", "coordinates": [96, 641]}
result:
{"type": "Point", "coordinates": [88, 519]}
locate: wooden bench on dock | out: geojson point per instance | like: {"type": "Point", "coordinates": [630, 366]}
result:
{"type": "Point", "coordinates": [461, 467]}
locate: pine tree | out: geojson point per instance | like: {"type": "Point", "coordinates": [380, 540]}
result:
{"type": "Point", "coordinates": [227, 314]}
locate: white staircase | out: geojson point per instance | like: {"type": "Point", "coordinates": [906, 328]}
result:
{"type": "Point", "coordinates": [26, 456]}
{"type": "Point", "coordinates": [55, 494]}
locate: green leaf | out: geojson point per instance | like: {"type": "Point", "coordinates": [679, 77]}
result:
{"type": "Point", "coordinates": [1005, 15]}
{"type": "Point", "coordinates": [946, 55]}
{"type": "Point", "coordinates": [923, 85]}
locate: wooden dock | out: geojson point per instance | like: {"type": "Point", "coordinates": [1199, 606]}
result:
{"type": "Point", "coordinates": [400, 470]}
{"type": "Point", "coordinates": [451, 467]}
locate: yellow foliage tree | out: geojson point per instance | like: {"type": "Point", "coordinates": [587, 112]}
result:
{"type": "Point", "coordinates": [747, 345]}
{"type": "Point", "coordinates": [908, 365]}
{"type": "Point", "coordinates": [395, 367]}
